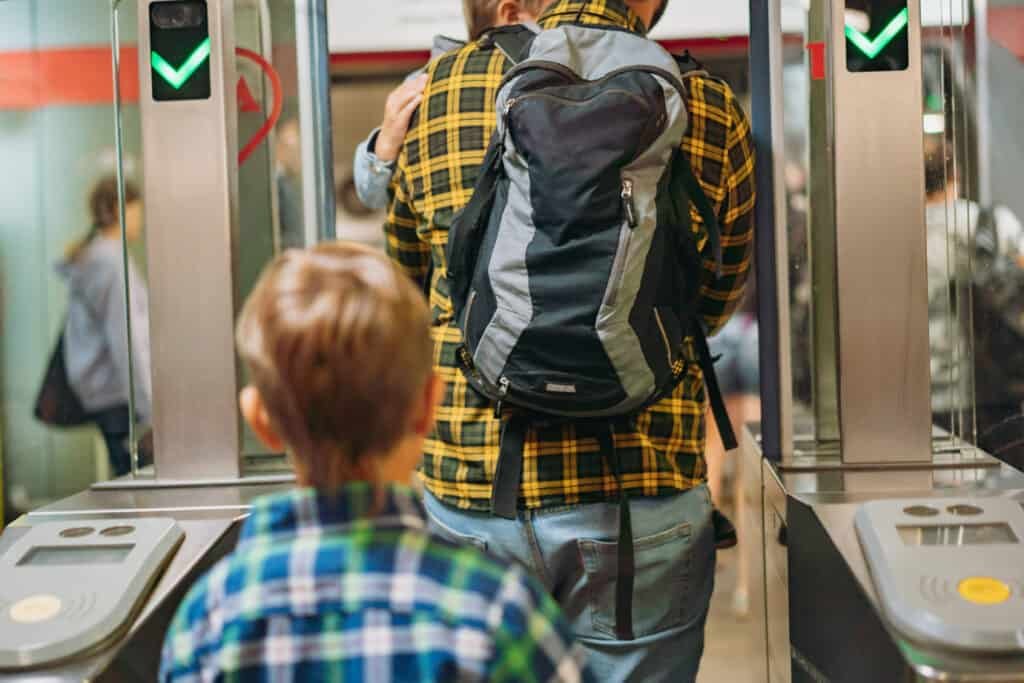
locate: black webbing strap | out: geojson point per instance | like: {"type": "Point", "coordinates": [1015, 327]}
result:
{"type": "Point", "coordinates": [467, 228]}
{"type": "Point", "coordinates": [626, 571]}
{"type": "Point", "coordinates": [509, 472]}
{"type": "Point", "coordinates": [695, 192]}
{"type": "Point", "coordinates": [707, 365]}
{"type": "Point", "coordinates": [505, 497]}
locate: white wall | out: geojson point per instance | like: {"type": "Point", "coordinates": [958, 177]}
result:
{"type": "Point", "coordinates": [411, 24]}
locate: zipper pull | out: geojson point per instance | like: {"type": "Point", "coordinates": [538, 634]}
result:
{"type": "Point", "coordinates": [503, 385]}
{"type": "Point", "coordinates": [627, 202]}
{"type": "Point", "coordinates": [509, 103]}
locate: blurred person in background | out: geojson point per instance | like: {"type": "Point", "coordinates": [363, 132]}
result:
{"type": "Point", "coordinates": [288, 179]}
{"type": "Point", "coordinates": [981, 250]}
{"type": "Point", "coordinates": [96, 346]}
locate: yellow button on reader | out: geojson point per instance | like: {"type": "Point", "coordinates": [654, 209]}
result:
{"type": "Point", "coordinates": [982, 590]}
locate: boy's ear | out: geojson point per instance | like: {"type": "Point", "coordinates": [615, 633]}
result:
{"type": "Point", "coordinates": [427, 409]}
{"type": "Point", "coordinates": [255, 413]}
{"type": "Point", "coordinates": [509, 12]}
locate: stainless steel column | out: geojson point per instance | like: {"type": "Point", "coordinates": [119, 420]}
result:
{"type": "Point", "coordinates": [771, 239]}
{"type": "Point", "coordinates": [822, 237]}
{"type": "Point", "coordinates": [312, 51]}
{"type": "Point", "coordinates": [884, 378]}
{"type": "Point", "coordinates": [190, 176]}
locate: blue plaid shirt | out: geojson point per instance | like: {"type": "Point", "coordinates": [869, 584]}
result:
{"type": "Point", "coordinates": [350, 587]}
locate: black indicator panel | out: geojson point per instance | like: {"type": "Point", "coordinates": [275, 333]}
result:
{"type": "Point", "coordinates": [179, 50]}
{"type": "Point", "coordinates": [877, 35]}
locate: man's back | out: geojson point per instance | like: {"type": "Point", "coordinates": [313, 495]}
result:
{"type": "Point", "coordinates": [662, 448]}
{"type": "Point", "coordinates": [351, 587]}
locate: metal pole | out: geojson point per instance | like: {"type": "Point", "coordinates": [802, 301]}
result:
{"type": "Point", "coordinates": [984, 122]}
{"type": "Point", "coordinates": [115, 49]}
{"type": "Point", "coordinates": [190, 171]}
{"type": "Point", "coordinates": [766, 62]}
{"type": "Point", "coordinates": [312, 50]}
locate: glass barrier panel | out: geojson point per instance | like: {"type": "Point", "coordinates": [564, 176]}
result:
{"type": "Point", "coordinates": [283, 109]}
{"type": "Point", "coordinates": [982, 208]}
{"type": "Point", "coordinates": [280, 127]}
{"type": "Point", "coordinates": [60, 252]}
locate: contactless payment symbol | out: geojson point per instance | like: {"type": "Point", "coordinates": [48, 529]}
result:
{"type": "Point", "coordinates": [177, 77]}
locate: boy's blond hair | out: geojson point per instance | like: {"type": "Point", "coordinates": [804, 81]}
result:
{"type": "Point", "coordinates": [337, 342]}
{"type": "Point", "coordinates": [482, 14]}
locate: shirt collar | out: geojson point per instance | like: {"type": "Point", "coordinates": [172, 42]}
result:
{"type": "Point", "coordinates": [443, 44]}
{"type": "Point", "coordinates": [306, 511]}
{"type": "Point", "coordinates": [613, 13]}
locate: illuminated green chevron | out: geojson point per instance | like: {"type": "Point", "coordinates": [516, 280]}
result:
{"type": "Point", "coordinates": [872, 48]}
{"type": "Point", "coordinates": [177, 77]}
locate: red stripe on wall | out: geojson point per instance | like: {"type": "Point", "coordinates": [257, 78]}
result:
{"type": "Point", "coordinates": [65, 76]}
{"type": "Point", "coordinates": [1006, 27]}
{"type": "Point", "coordinates": [696, 45]}
{"type": "Point", "coordinates": [82, 76]}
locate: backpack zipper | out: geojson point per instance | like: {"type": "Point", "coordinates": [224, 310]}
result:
{"type": "Point", "coordinates": [512, 101]}
{"type": "Point", "coordinates": [469, 309]}
{"type": "Point", "coordinates": [563, 70]}
{"type": "Point", "coordinates": [503, 387]}
{"type": "Point", "coordinates": [664, 336]}
{"type": "Point", "coordinates": [627, 202]}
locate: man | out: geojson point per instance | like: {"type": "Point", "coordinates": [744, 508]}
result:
{"type": "Point", "coordinates": [568, 512]}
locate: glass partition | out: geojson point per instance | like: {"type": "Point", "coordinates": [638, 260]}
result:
{"type": "Point", "coordinates": [60, 245]}
{"type": "Point", "coordinates": [282, 115]}
{"type": "Point", "coordinates": [972, 77]}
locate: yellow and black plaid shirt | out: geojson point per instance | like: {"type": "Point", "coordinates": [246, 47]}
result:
{"type": "Point", "coordinates": [661, 449]}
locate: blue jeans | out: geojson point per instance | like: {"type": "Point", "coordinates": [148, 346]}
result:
{"type": "Point", "coordinates": [572, 550]}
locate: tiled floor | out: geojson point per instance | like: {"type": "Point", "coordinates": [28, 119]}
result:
{"type": "Point", "coordinates": [731, 650]}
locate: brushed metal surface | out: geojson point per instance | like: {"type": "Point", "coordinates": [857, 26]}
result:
{"type": "Point", "coordinates": [821, 238]}
{"type": "Point", "coordinates": [752, 542]}
{"type": "Point", "coordinates": [776, 569]}
{"type": "Point", "coordinates": [785, 344]}
{"type": "Point", "coordinates": [312, 55]}
{"type": "Point", "coordinates": [835, 497]}
{"type": "Point", "coordinates": [884, 380]}
{"type": "Point", "coordinates": [190, 174]}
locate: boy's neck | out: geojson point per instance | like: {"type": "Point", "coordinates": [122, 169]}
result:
{"type": "Point", "coordinates": [394, 467]}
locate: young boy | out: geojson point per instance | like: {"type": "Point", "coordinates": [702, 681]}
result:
{"type": "Point", "coordinates": [338, 579]}
{"type": "Point", "coordinates": [374, 162]}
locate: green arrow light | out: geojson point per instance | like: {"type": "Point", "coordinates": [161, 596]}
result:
{"type": "Point", "coordinates": [872, 48]}
{"type": "Point", "coordinates": [177, 77]}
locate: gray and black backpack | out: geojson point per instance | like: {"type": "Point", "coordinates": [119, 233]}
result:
{"type": "Point", "coordinates": [574, 271]}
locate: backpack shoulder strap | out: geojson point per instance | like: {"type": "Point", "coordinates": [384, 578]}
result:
{"type": "Point", "coordinates": [683, 178]}
{"type": "Point", "coordinates": [688, 63]}
{"type": "Point", "coordinates": [513, 41]}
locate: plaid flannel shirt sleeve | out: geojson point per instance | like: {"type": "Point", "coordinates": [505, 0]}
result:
{"type": "Point", "coordinates": [722, 294]}
{"type": "Point", "coordinates": [404, 245]}
{"type": "Point", "coordinates": [533, 641]}
{"type": "Point", "coordinates": [180, 657]}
